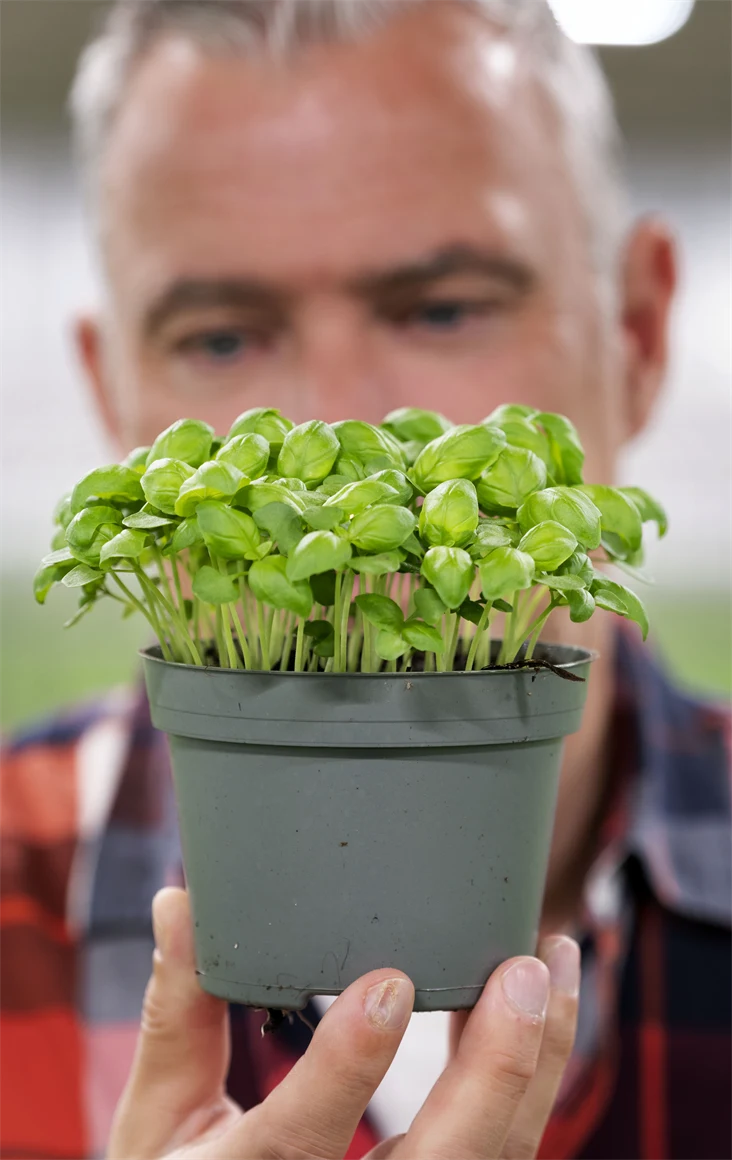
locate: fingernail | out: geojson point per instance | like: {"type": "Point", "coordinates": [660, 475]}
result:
{"type": "Point", "coordinates": [526, 985]}
{"type": "Point", "coordinates": [562, 956]}
{"type": "Point", "coordinates": [388, 1004]}
{"type": "Point", "coordinates": [160, 930]}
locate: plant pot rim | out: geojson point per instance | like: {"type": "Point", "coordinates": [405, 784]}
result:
{"type": "Point", "coordinates": [578, 656]}
{"type": "Point", "coordinates": [367, 710]}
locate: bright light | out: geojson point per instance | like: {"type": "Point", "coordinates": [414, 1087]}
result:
{"type": "Point", "coordinates": [621, 21]}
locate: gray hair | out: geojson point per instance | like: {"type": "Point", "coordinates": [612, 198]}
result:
{"type": "Point", "coordinates": [568, 72]}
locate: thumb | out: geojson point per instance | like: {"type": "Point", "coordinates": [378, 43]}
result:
{"type": "Point", "coordinates": [182, 1053]}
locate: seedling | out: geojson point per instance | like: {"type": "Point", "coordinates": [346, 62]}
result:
{"type": "Point", "coordinates": [349, 547]}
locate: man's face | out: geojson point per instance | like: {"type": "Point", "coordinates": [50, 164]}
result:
{"type": "Point", "coordinates": [359, 228]}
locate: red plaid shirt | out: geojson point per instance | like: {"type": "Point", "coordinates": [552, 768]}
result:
{"type": "Point", "coordinates": [89, 835]}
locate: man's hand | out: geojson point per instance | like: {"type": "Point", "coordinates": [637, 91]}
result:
{"type": "Point", "coordinates": [492, 1100]}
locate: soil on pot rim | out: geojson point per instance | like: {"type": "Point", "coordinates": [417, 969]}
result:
{"type": "Point", "coordinates": [542, 659]}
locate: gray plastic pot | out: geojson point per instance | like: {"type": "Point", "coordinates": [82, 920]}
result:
{"type": "Point", "coordinates": [335, 823]}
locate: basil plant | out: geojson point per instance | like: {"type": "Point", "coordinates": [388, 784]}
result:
{"type": "Point", "coordinates": [348, 547]}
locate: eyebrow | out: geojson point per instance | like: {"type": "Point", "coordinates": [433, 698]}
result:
{"type": "Point", "coordinates": [191, 293]}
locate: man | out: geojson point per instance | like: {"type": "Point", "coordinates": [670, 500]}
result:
{"type": "Point", "coordinates": [338, 207]}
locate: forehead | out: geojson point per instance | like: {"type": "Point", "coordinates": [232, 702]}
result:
{"type": "Point", "coordinates": [351, 154]}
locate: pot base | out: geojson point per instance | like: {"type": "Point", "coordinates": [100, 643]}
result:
{"type": "Point", "coordinates": [291, 999]}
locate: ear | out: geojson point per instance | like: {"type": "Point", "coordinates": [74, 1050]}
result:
{"type": "Point", "coordinates": [649, 283]}
{"type": "Point", "coordinates": [88, 337]}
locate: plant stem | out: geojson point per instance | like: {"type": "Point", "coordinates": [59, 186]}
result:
{"type": "Point", "coordinates": [346, 594]}
{"type": "Point", "coordinates": [242, 637]}
{"type": "Point", "coordinates": [245, 621]}
{"type": "Point", "coordinates": [452, 647]}
{"type": "Point", "coordinates": [299, 643]}
{"type": "Point", "coordinates": [156, 598]}
{"type": "Point", "coordinates": [262, 630]}
{"type": "Point", "coordinates": [535, 629]}
{"type": "Point", "coordinates": [479, 630]}
{"type": "Point", "coordinates": [354, 642]}
{"type": "Point", "coordinates": [150, 616]}
{"type": "Point", "coordinates": [220, 648]}
{"type": "Point", "coordinates": [337, 624]}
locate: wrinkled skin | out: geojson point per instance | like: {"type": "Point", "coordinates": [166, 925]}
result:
{"type": "Point", "coordinates": [387, 223]}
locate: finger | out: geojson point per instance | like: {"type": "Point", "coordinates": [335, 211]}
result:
{"type": "Point", "coordinates": [470, 1109]}
{"type": "Point", "coordinates": [456, 1026]}
{"type": "Point", "coordinates": [182, 1052]}
{"type": "Point", "coordinates": [385, 1149]}
{"type": "Point", "coordinates": [316, 1109]}
{"type": "Point", "coordinates": [562, 957]}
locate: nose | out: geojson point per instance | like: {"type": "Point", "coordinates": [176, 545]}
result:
{"type": "Point", "coordinates": [339, 373]}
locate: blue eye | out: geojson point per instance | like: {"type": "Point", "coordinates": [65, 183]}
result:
{"type": "Point", "coordinates": [442, 315]}
{"type": "Point", "coordinates": [222, 345]}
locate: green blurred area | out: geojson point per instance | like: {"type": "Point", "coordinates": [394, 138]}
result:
{"type": "Point", "coordinates": [44, 667]}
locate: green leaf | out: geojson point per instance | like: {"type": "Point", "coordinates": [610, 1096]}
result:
{"type": "Point", "coordinates": [309, 451]}
{"type": "Point", "coordinates": [389, 644]}
{"type": "Point", "coordinates": [429, 606]}
{"type": "Point", "coordinates": [213, 587]}
{"type": "Point", "coordinates": [560, 583]}
{"type": "Point", "coordinates": [449, 514]}
{"type": "Point", "coordinates": [162, 482]}
{"type": "Point", "coordinates": [491, 534]}
{"type": "Point", "coordinates": [48, 575]}
{"type": "Point", "coordinates": [147, 520]}
{"type": "Point", "coordinates": [62, 512]}
{"type": "Point", "coordinates": [471, 610]}
{"type": "Point", "coordinates": [268, 422]}
{"type": "Point", "coordinates": [323, 519]}
{"type": "Point", "coordinates": [549, 543]}
{"type": "Point", "coordinates": [502, 606]}
{"type": "Point", "coordinates": [318, 629]}
{"type": "Point", "coordinates": [461, 453]}
{"type": "Point", "coordinates": [381, 528]}
{"type": "Point", "coordinates": [80, 575]}
{"type": "Point", "coordinates": [137, 459]}
{"type": "Point", "coordinates": [380, 611]}
{"type": "Point", "coordinates": [648, 508]}
{"type": "Point", "coordinates": [60, 556]}
{"type": "Point", "coordinates": [378, 565]}
{"type": "Point", "coordinates": [451, 572]}
{"type": "Point", "coordinates": [227, 532]}
{"type": "Point", "coordinates": [579, 564]}
{"type": "Point", "coordinates": [581, 605]}
{"type": "Point", "coordinates": [317, 552]}
{"type": "Point", "coordinates": [248, 453]}
{"type": "Point", "coordinates": [90, 530]}
{"type": "Point", "coordinates": [510, 480]}
{"type": "Point", "coordinates": [213, 480]}
{"type": "Point", "coordinates": [365, 443]}
{"type": "Point", "coordinates": [323, 587]}
{"type": "Point", "coordinates": [186, 535]}
{"type": "Point", "coordinates": [128, 544]}
{"type": "Point", "coordinates": [261, 492]}
{"type": "Point", "coordinates": [521, 430]}
{"type": "Point", "coordinates": [622, 528]}
{"type": "Point", "coordinates": [188, 440]}
{"type": "Point", "coordinates": [617, 598]}
{"type": "Point", "coordinates": [115, 482]}
{"type": "Point", "coordinates": [422, 636]}
{"type": "Point", "coordinates": [564, 444]}
{"type": "Point", "coordinates": [413, 546]}
{"type": "Point", "coordinates": [411, 423]}
{"type": "Point", "coordinates": [398, 481]}
{"type": "Point", "coordinates": [346, 469]}
{"type": "Point", "coordinates": [568, 506]}
{"type": "Point", "coordinates": [505, 570]}
{"type": "Point", "coordinates": [282, 523]}
{"type": "Point", "coordinates": [269, 582]}
{"type": "Point", "coordinates": [354, 497]}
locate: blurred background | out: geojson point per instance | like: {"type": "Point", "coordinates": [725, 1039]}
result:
{"type": "Point", "coordinates": [673, 100]}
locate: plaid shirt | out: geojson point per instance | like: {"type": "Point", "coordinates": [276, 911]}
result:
{"type": "Point", "coordinates": [89, 834]}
